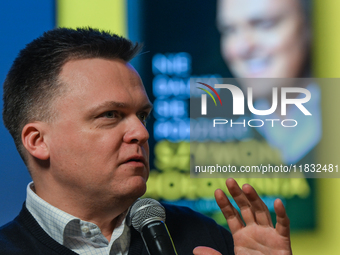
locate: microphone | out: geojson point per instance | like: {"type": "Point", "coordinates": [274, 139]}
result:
{"type": "Point", "coordinates": [147, 216]}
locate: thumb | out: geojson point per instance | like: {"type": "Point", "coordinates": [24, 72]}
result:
{"type": "Point", "coordinates": [201, 250]}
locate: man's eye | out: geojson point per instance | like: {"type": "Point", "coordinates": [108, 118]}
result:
{"type": "Point", "coordinates": [267, 23]}
{"type": "Point", "coordinates": [109, 114]}
{"type": "Point", "coordinates": [143, 117]}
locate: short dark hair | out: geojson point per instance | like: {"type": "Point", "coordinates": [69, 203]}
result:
{"type": "Point", "coordinates": [32, 82]}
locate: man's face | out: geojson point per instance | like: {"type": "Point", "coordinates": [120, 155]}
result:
{"type": "Point", "coordinates": [262, 38]}
{"type": "Point", "coordinates": [98, 140]}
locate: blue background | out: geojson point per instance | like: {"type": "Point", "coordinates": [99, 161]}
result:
{"type": "Point", "coordinates": [20, 23]}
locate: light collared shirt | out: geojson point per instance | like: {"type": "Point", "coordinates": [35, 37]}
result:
{"type": "Point", "coordinates": [80, 236]}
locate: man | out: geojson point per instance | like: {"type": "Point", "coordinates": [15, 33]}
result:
{"type": "Point", "coordinates": [77, 112]}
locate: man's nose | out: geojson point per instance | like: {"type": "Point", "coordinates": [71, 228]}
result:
{"type": "Point", "coordinates": [136, 131]}
{"type": "Point", "coordinates": [245, 43]}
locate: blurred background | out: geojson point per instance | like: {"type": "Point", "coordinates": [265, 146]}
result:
{"type": "Point", "coordinates": [205, 39]}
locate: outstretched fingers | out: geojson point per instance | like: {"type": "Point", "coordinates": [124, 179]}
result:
{"type": "Point", "coordinates": [258, 235]}
{"type": "Point", "coordinates": [282, 220]}
{"type": "Point", "coordinates": [241, 200]}
{"type": "Point", "coordinates": [232, 216]}
{"type": "Point", "coordinates": [253, 209]}
{"type": "Point", "coordinates": [261, 212]}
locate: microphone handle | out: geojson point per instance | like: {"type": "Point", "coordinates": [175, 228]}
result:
{"type": "Point", "coordinates": [157, 239]}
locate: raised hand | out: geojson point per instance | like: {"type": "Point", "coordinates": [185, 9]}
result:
{"type": "Point", "coordinates": [257, 235]}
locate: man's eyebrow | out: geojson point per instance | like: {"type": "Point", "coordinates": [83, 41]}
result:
{"type": "Point", "coordinates": [147, 106]}
{"type": "Point", "coordinates": [113, 104]}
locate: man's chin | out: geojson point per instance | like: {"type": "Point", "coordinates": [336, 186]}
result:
{"type": "Point", "coordinates": [137, 186]}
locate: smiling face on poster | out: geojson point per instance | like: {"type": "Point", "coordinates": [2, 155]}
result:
{"type": "Point", "coordinates": [264, 39]}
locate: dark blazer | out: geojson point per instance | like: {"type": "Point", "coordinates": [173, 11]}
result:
{"type": "Point", "coordinates": [188, 229]}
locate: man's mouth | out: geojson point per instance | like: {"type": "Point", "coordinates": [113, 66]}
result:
{"type": "Point", "coordinates": [136, 160]}
{"type": "Point", "coordinates": [257, 65]}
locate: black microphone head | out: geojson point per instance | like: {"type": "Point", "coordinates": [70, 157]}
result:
{"type": "Point", "coordinates": [144, 211]}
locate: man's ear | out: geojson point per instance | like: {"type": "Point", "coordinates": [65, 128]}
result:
{"type": "Point", "coordinates": [34, 141]}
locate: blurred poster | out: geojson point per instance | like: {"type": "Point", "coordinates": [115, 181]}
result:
{"type": "Point", "coordinates": [208, 41]}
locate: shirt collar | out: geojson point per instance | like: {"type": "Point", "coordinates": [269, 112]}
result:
{"type": "Point", "coordinates": [52, 220]}
{"type": "Point", "coordinates": [64, 228]}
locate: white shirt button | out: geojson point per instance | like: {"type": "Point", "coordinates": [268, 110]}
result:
{"type": "Point", "coordinates": [85, 229]}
